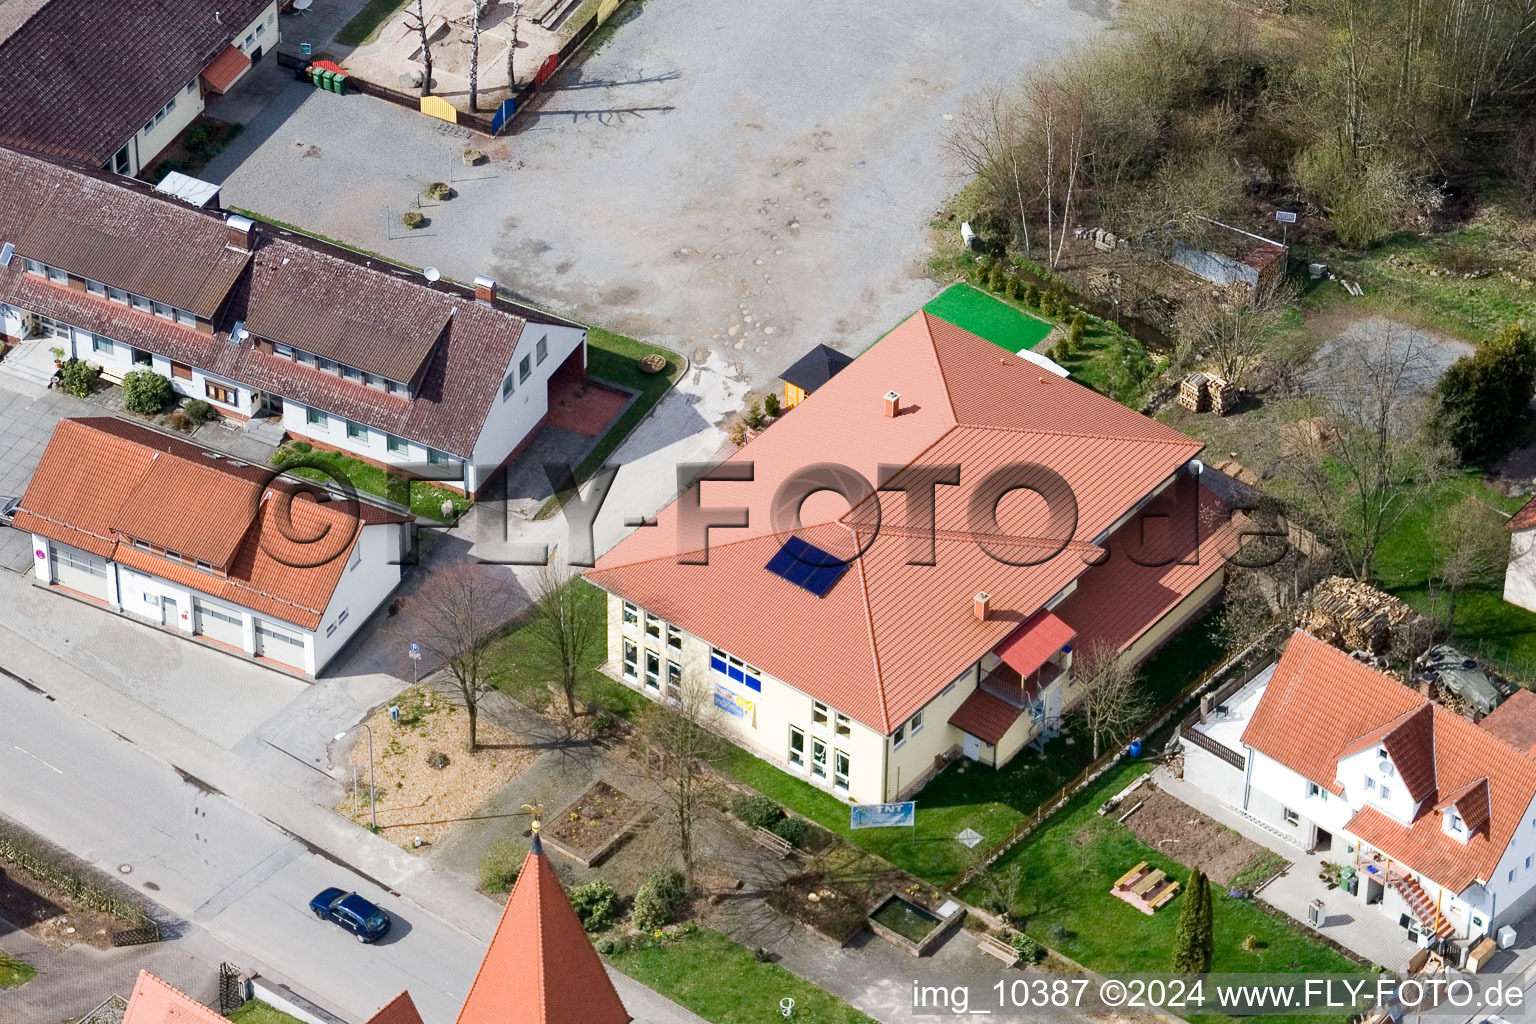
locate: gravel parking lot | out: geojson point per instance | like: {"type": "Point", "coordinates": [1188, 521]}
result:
{"type": "Point", "coordinates": [748, 179]}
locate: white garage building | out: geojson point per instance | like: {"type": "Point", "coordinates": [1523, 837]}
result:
{"type": "Point", "coordinates": [188, 539]}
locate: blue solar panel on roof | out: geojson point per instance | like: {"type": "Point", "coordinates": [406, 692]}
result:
{"type": "Point", "coordinates": [806, 566]}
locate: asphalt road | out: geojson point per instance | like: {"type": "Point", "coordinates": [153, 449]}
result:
{"type": "Point", "coordinates": [214, 864]}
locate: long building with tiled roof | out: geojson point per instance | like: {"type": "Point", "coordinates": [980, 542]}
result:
{"type": "Point", "coordinates": [343, 350]}
{"type": "Point", "coordinates": [1434, 814]}
{"type": "Point", "coordinates": [207, 546]}
{"type": "Point", "coordinates": [112, 84]}
{"type": "Point", "coordinates": [914, 642]}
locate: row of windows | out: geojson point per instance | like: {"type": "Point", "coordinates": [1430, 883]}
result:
{"type": "Point", "coordinates": [361, 432]}
{"type": "Point", "coordinates": [331, 629]}
{"type": "Point", "coordinates": [341, 370]}
{"type": "Point", "coordinates": [78, 560]}
{"type": "Point", "coordinates": [524, 369]}
{"type": "Point", "coordinates": [911, 727]}
{"type": "Point", "coordinates": [160, 115]}
{"type": "Point", "coordinates": [163, 310]}
{"type": "Point", "coordinates": [821, 715]}
{"type": "Point", "coordinates": [841, 762]}
{"type": "Point", "coordinates": [175, 556]}
{"type": "Point", "coordinates": [653, 680]}
{"type": "Point", "coordinates": [225, 394]}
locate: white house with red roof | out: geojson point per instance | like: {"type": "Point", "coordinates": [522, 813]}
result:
{"type": "Point", "coordinates": [1436, 814]}
{"type": "Point", "coordinates": [155, 1002]}
{"type": "Point", "coordinates": [207, 546]}
{"type": "Point", "coordinates": [863, 644]}
{"type": "Point", "coordinates": [1520, 574]}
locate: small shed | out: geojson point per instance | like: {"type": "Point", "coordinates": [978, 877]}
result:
{"type": "Point", "coordinates": [810, 372]}
{"type": "Point", "coordinates": [1236, 257]}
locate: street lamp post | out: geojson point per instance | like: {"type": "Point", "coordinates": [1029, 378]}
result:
{"type": "Point", "coordinates": [373, 808]}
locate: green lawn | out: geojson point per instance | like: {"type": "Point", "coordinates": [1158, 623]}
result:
{"type": "Point", "coordinates": [366, 23]}
{"type": "Point", "coordinates": [522, 668]}
{"type": "Point", "coordinates": [723, 982]}
{"type": "Point", "coordinates": [1061, 878]}
{"type": "Point", "coordinates": [257, 1012]}
{"type": "Point", "coordinates": [989, 317]}
{"type": "Point", "coordinates": [14, 971]}
{"type": "Point", "coordinates": [423, 497]}
{"type": "Point", "coordinates": [966, 795]}
{"type": "Point", "coordinates": [1485, 623]}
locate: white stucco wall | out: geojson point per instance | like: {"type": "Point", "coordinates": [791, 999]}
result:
{"type": "Point", "coordinates": [510, 420]}
{"type": "Point", "coordinates": [366, 583]}
{"type": "Point", "coordinates": [1520, 577]}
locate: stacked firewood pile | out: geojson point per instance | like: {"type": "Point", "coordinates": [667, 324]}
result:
{"type": "Point", "coordinates": [1353, 615]}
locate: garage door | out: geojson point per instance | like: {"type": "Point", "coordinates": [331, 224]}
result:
{"type": "Point", "coordinates": [78, 570]}
{"type": "Point", "coordinates": [219, 624]}
{"type": "Point", "coordinates": [280, 644]}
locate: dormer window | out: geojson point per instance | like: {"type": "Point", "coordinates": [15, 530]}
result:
{"type": "Point", "coordinates": [96, 288]}
{"type": "Point", "coordinates": [1454, 823]}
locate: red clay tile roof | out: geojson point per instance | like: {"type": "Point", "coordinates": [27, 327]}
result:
{"type": "Point", "coordinates": [1471, 802]}
{"type": "Point", "coordinates": [80, 77]}
{"type": "Point", "coordinates": [225, 68]}
{"type": "Point", "coordinates": [457, 388]}
{"type": "Point", "coordinates": [1153, 564]}
{"type": "Point", "coordinates": [399, 1010]}
{"type": "Point", "coordinates": [149, 248]}
{"type": "Point", "coordinates": [984, 716]}
{"type": "Point", "coordinates": [1514, 721]}
{"type": "Point", "coordinates": [1320, 701]}
{"type": "Point", "coordinates": [92, 476]}
{"type": "Point", "coordinates": [1523, 519]}
{"type": "Point", "coordinates": [155, 1002]}
{"type": "Point", "coordinates": [1034, 643]}
{"type": "Point", "coordinates": [891, 634]}
{"type": "Point", "coordinates": [541, 967]}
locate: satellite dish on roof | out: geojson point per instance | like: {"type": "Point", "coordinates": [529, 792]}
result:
{"type": "Point", "coordinates": [431, 273]}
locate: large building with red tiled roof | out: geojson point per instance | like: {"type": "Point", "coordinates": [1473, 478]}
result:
{"type": "Point", "coordinates": [345, 351]}
{"type": "Point", "coordinates": [1436, 814]}
{"type": "Point", "coordinates": [918, 639]}
{"type": "Point", "coordinates": [155, 1002]}
{"type": "Point", "coordinates": [208, 546]}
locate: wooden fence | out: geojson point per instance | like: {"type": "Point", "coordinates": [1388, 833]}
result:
{"type": "Point", "coordinates": [78, 882]}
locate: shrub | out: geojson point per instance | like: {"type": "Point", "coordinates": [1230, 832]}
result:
{"type": "Point", "coordinates": [1077, 330]}
{"type": "Point", "coordinates": [78, 378]}
{"type": "Point", "coordinates": [596, 903]}
{"type": "Point", "coordinates": [499, 866]}
{"type": "Point", "coordinates": [793, 831]}
{"type": "Point", "coordinates": [995, 278]}
{"type": "Point", "coordinates": [145, 392]}
{"type": "Point", "coordinates": [756, 810]}
{"type": "Point", "coordinates": [412, 219]}
{"type": "Point", "coordinates": [437, 759]}
{"type": "Point", "coordinates": [753, 417]}
{"type": "Point", "coordinates": [771, 403]}
{"type": "Point", "coordinates": [439, 190]}
{"type": "Point", "coordinates": [1028, 949]}
{"type": "Point", "coordinates": [198, 411]}
{"type": "Point", "coordinates": [179, 420]}
{"type": "Point", "coordinates": [1011, 287]}
{"type": "Point", "coordinates": [660, 898]}
{"type": "Point", "coordinates": [1032, 296]}
{"type": "Point", "coordinates": [1482, 399]}
{"type": "Point", "coordinates": [613, 945]}
{"type": "Point", "coordinates": [197, 136]}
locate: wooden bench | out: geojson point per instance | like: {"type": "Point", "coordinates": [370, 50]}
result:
{"type": "Point", "coordinates": [1146, 884]}
{"type": "Point", "coordinates": [1125, 878]}
{"type": "Point", "coordinates": [773, 843]}
{"type": "Point", "coordinates": [1164, 896]}
{"type": "Point", "coordinates": [1000, 948]}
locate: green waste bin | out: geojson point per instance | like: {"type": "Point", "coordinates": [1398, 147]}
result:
{"type": "Point", "coordinates": [323, 79]}
{"type": "Point", "coordinates": [341, 84]}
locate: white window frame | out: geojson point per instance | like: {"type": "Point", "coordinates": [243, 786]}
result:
{"type": "Point", "coordinates": [820, 714]}
{"type": "Point", "coordinates": [916, 725]}
{"type": "Point", "coordinates": [842, 725]}
{"type": "Point", "coordinates": [840, 779]}
{"type": "Point", "coordinates": [541, 350]}
{"type": "Point", "coordinates": [1289, 816]}
{"type": "Point", "coordinates": [630, 659]}
{"type": "Point", "coordinates": [899, 737]}
{"type": "Point", "coordinates": [796, 759]}
{"type": "Point", "coordinates": [652, 670]}
{"type": "Point", "coordinates": [818, 767]}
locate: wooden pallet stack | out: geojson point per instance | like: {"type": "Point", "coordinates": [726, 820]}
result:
{"type": "Point", "coordinates": [1195, 393]}
{"type": "Point", "coordinates": [1223, 395]}
{"type": "Point", "coordinates": [1353, 615]}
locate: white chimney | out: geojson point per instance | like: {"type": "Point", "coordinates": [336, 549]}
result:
{"type": "Point", "coordinates": [981, 604]}
{"type": "Point", "coordinates": [892, 404]}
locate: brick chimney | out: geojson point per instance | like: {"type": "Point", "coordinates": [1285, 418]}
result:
{"type": "Point", "coordinates": [892, 404]}
{"type": "Point", "coordinates": [242, 232]}
{"type": "Point", "coordinates": [981, 604]}
{"type": "Point", "coordinates": [485, 290]}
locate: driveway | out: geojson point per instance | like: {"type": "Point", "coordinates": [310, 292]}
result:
{"type": "Point", "coordinates": [742, 179]}
{"type": "Point", "coordinates": [27, 419]}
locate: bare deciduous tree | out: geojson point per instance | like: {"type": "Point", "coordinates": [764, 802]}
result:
{"type": "Point", "coordinates": [1112, 702]}
{"type": "Point", "coordinates": [986, 140]}
{"type": "Point", "coordinates": [517, 14]}
{"type": "Point", "coordinates": [681, 744]}
{"type": "Point", "coordinates": [418, 12]}
{"type": "Point", "coordinates": [1471, 546]}
{"type": "Point", "coordinates": [562, 627]}
{"type": "Point", "coordinates": [1372, 388]}
{"type": "Point", "coordinates": [478, 8]}
{"type": "Point", "coordinates": [461, 608]}
{"type": "Point", "coordinates": [1232, 338]}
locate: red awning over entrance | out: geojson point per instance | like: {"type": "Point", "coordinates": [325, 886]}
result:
{"type": "Point", "coordinates": [1033, 643]}
{"type": "Point", "coordinates": [226, 67]}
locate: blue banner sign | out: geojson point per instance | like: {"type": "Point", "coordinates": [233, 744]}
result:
{"type": "Point", "coordinates": [882, 815]}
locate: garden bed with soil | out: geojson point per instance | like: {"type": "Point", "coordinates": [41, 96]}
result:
{"type": "Point", "coordinates": [416, 799]}
{"type": "Point", "coordinates": [835, 896]}
{"type": "Point", "coordinates": [594, 823]}
{"type": "Point", "coordinates": [39, 910]}
{"type": "Point", "coordinates": [1179, 831]}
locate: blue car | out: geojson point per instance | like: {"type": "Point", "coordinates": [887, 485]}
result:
{"type": "Point", "coordinates": [352, 912]}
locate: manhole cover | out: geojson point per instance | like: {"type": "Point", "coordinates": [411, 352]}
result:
{"type": "Point", "coordinates": [125, 869]}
